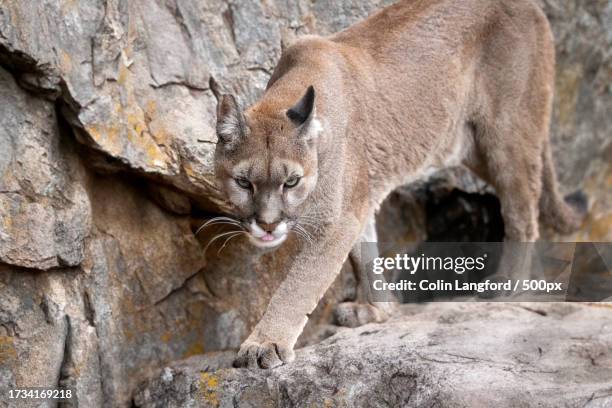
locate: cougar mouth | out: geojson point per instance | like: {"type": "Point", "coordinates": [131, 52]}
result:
{"type": "Point", "coordinates": [263, 238]}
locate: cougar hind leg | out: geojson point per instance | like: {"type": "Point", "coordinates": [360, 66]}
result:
{"type": "Point", "coordinates": [513, 160]}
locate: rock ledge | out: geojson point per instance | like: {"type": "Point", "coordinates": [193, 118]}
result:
{"type": "Point", "coordinates": [444, 354]}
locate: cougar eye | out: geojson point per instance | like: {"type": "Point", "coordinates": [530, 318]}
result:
{"type": "Point", "coordinates": [243, 183]}
{"type": "Point", "coordinates": [292, 182]}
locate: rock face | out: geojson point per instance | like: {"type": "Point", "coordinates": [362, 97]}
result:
{"type": "Point", "coordinates": [439, 355]}
{"type": "Point", "coordinates": [106, 139]}
{"type": "Point", "coordinates": [44, 211]}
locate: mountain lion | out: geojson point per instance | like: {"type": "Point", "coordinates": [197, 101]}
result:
{"type": "Point", "coordinates": [345, 119]}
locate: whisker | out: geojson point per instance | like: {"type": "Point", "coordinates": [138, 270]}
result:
{"type": "Point", "coordinates": [219, 220]}
{"type": "Point", "coordinates": [299, 231]}
{"type": "Point", "coordinates": [228, 239]}
{"type": "Point", "coordinates": [308, 224]}
{"type": "Point", "coordinates": [300, 236]}
{"type": "Point", "coordinates": [217, 237]}
{"type": "Point", "coordinates": [312, 221]}
{"type": "Point", "coordinates": [221, 223]}
{"type": "Point", "coordinates": [301, 228]}
{"type": "Point", "coordinates": [307, 239]}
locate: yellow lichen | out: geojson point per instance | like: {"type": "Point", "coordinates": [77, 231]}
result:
{"type": "Point", "coordinates": [8, 223]}
{"type": "Point", "coordinates": [166, 336]}
{"type": "Point", "coordinates": [194, 349]}
{"type": "Point", "coordinates": [65, 62]}
{"type": "Point", "coordinates": [138, 133]}
{"type": "Point", "coordinates": [7, 349]}
{"type": "Point", "coordinates": [106, 136]}
{"type": "Point", "coordinates": [122, 79]}
{"type": "Point", "coordinates": [151, 109]}
{"type": "Point", "coordinates": [208, 388]}
{"type": "Point", "coordinates": [136, 121]}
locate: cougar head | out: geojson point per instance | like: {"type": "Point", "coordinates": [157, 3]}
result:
{"type": "Point", "coordinates": [266, 164]}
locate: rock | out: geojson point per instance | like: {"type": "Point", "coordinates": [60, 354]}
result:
{"type": "Point", "coordinates": [44, 212]}
{"type": "Point", "coordinates": [138, 263]}
{"type": "Point", "coordinates": [33, 332]}
{"type": "Point", "coordinates": [106, 145]}
{"type": "Point", "coordinates": [169, 199]}
{"type": "Point", "coordinates": [435, 355]}
{"type": "Point", "coordinates": [141, 92]}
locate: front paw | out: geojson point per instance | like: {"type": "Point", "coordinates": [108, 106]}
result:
{"type": "Point", "coordinates": [263, 355]}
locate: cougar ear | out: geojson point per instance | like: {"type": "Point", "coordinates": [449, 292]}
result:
{"type": "Point", "coordinates": [230, 122]}
{"type": "Point", "coordinates": [303, 109]}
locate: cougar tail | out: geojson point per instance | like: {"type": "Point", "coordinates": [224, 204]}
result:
{"type": "Point", "coordinates": [564, 215]}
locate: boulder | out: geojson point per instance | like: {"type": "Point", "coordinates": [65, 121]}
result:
{"type": "Point", "coordinates": [444, 354]}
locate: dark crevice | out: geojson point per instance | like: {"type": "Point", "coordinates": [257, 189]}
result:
{"type": "Point", "coordinates": [44, 306]}
{"type": "Point", "coordinates": [7, 266]}
{"type": "Point", "coordinates": [260, 69]}
{"type": "Point", "coordinates": [11, 328]}
{"type": "Point", "coordinates": [457, 216]}
{"type": "Point", "coordinates": [532, 310]}
{"type": "Point", "coordinates": [90, 313]}
{"type": "Point", "coordinates": [38, 79]}
{"type": "Point", "coordinates": [450, 215]}
{"type": "Point", "coordinates": [66, 377]}
{"type": "Point", "coordinates": [186, 84]}
{"type": "Point", "coordinates": [214, 87]}
{"type": "Point", "coordinates": [18, 62]}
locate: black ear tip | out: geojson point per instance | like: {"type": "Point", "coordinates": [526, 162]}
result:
{"type": "Point", "coordinates": [310, 95]}
{"type": "Point", "coordinates": [300, 112]}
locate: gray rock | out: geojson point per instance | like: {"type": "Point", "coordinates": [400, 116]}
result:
{"type": "Point", "coordinates": [44, 211]}
{"type": "Point", "coordinates": [437, 355]}
{"type": "Point", "coordinates": [138, 264]}
{"type": "Point", "coordinates": [33, 331]}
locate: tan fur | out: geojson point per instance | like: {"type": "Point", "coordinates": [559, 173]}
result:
{"type": "Point", "coordinates": [420, 85]}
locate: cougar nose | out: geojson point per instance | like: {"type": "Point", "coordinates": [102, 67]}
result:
{"type": "Point", "coordinates": [268, 227]}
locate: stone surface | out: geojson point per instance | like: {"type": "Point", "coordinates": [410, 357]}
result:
{"type": "Point", "coordinates": [106, 139]}
{"type": "Point", "coordinates": [44, 212]}
{"type": "Point", "coordinates": [437, 355]}
{"type": "Point", "coordinates": [137, 74]}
